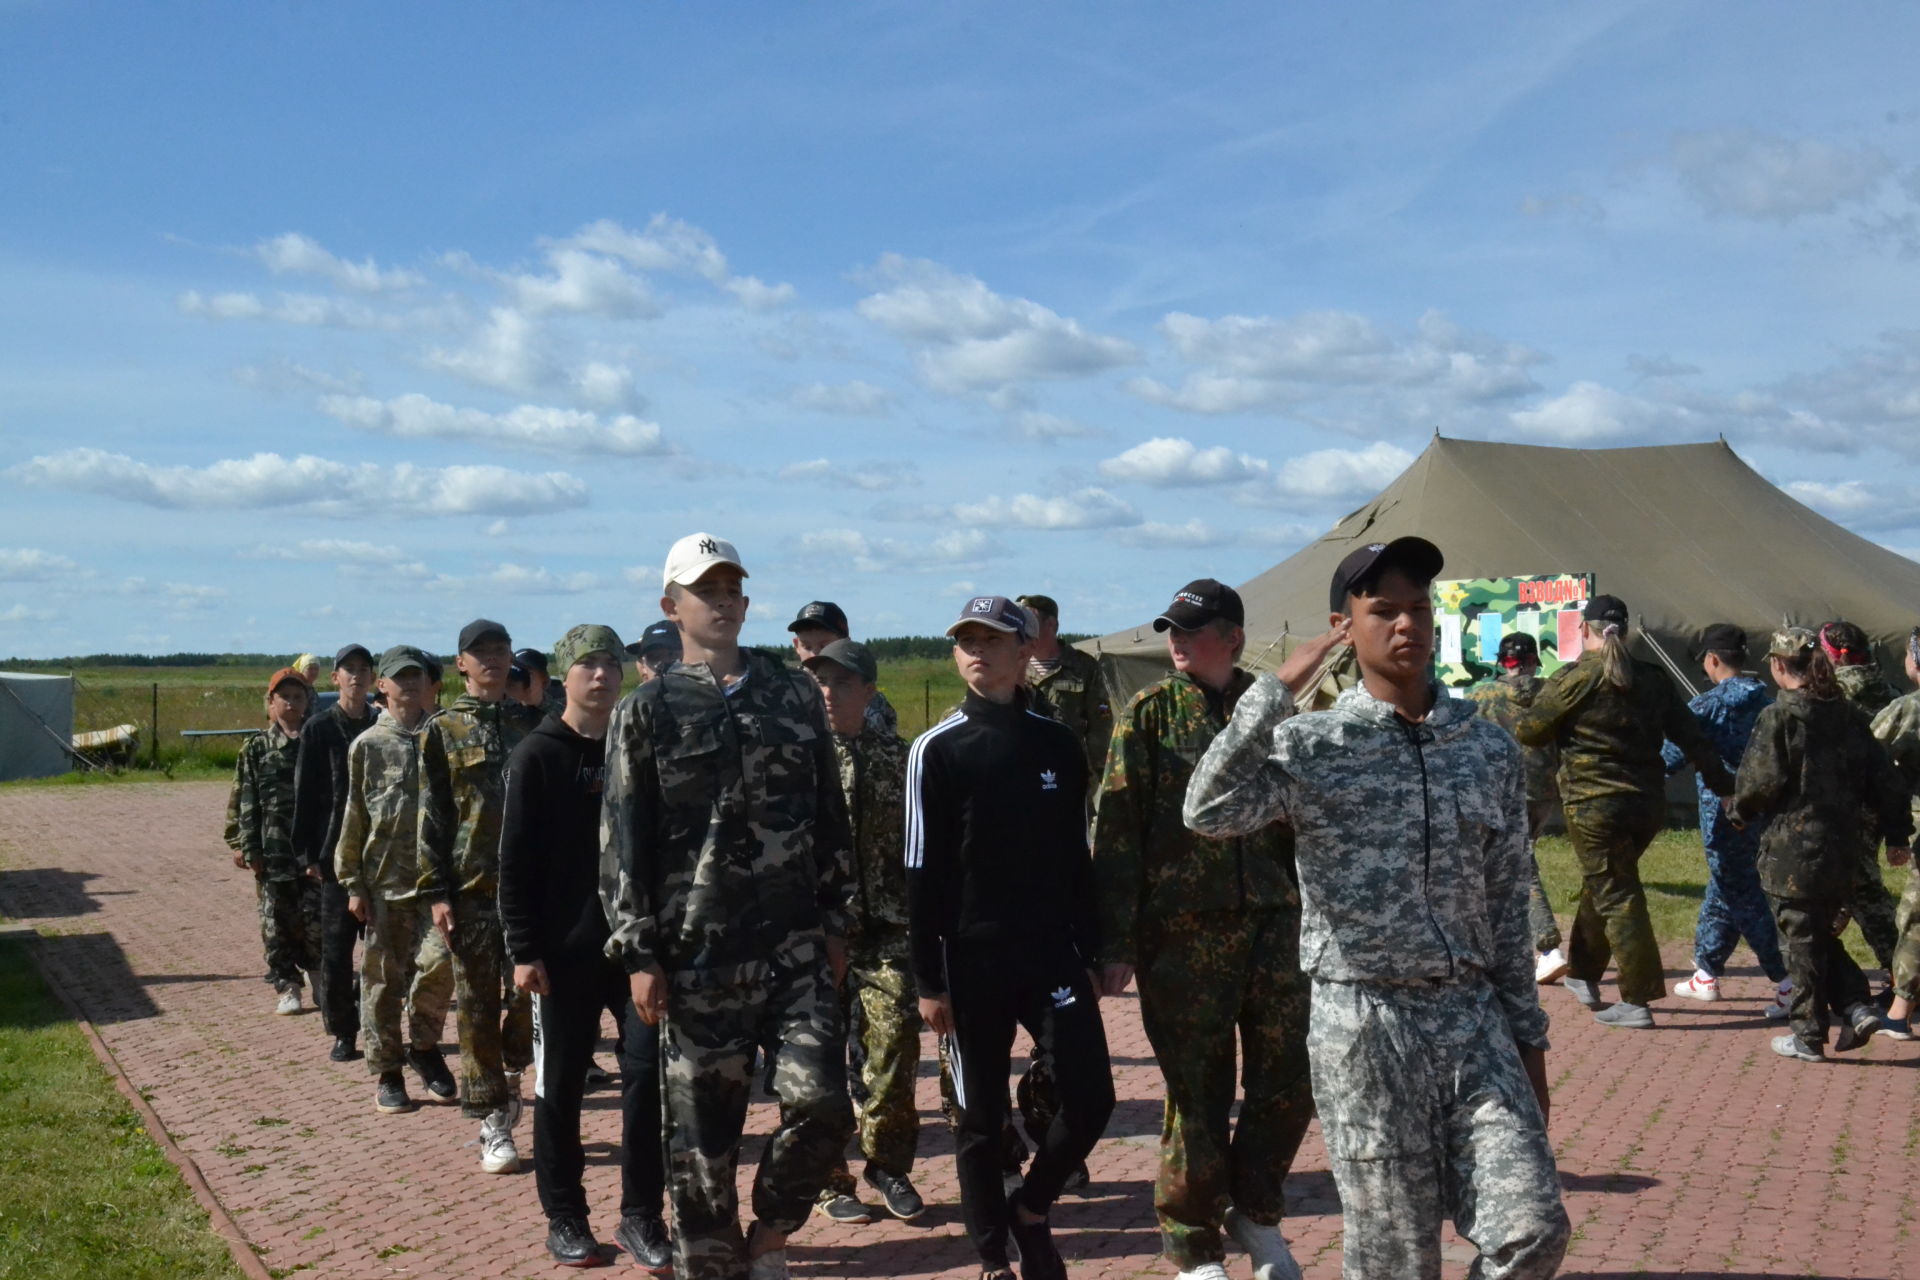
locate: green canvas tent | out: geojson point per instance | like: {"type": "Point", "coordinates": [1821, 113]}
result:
{"type": "Point", "coordinates": [1686, 534]}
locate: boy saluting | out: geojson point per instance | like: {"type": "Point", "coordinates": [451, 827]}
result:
{"type": "Point", "coordinates": [1426, 1039]}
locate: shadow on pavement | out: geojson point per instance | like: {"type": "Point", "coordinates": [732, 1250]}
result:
{"type": "Point", "coordinates": [46, 893]}
{"type": "Point", "coordinates": [1613, 1182]}
{"type": "Point", "coordinates": [93, 971]}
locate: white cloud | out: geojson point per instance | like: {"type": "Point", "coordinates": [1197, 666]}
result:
{"type": "Point", "coordinates": [670, 245]}
{"type": "Point", "coordinates": [1167, 463]}
{"type": "Point", "coordinates": [304, 309]}
{"type": "Point", "coordinates": [22, 613]}
{"type": "Point", "coordinates": [508, 354]}
{"type": "Point", "coordinates": [295, 254]}
{"type": "Point", "coordinates": [851, 399]}
{"type": "Point", "coordinates": [520, 579]}
{"type": "Point", "coordinates": [1653, 368]}
{"type": "Point", "coordinates": [1046, 428]}
{"type": "Point", "coordinates": [1193, 535]}
{"type": "Point", "coordinates": [1588, 413]}
{"type": "Point", "coordinates": [543, 428]}
{"type": "Point", "coordinates": [1083, 509]}
{"type": "Point", "coordinates": [1866, 506]}
{"type": "Point", "coordinates": [607, 386]}
{"type": "Point", "coordinates": [30, 564]}
{"type": "Point", "coordinates": [959, 547]}
{"type": "Point", "coordinates": [328, 551]}
{"type": "Point", "coordinates": [873, 477]}
{"type": "Point", "coordinates": [973, 339]}
{"type": "Point", "coordinates": [1744, 174]}
{"type": "Point", "coordinates": [582, 284]}
{"type": "Point", "coordinates": [316, 485]}
{"type": "Point", "coordinates": [1330, 475]}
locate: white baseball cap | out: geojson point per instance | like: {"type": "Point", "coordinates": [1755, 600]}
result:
{"type": "Point", "coordinates": [696, 553]}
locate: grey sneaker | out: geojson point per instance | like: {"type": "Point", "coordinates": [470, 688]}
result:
{"type": "Point", "coordinates": [1585, 992]}
{"type": "Point", "coordinates": [497, 1152]}
{"type": "Point", "coordinates": [1265, 1246]}
{"type": "Point", "coordinates": [1635, 1016]}
{"type": "Point", "coordinates": [847, 1209]}
{"type": "Point", "coordinates": [289, 1001]}
{"type": "Point", "coordinates": [1790, 1047]}
{"type": "Point", "coordinates": [390, 1097]}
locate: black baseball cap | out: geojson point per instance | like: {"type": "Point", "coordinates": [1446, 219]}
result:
{"type": "Point", "coordinates": [1606, 609]}
{"type": "Point", "coordinates": [340, 658]}
{"type": "Point", "coordinates": [1719, 637]}
{"type": "Point", "coordinates": [997, 612]}
{"type": "Point", "coordinates": [517, 674]}
{"type": "Point", "coordinates": [850, 654]}
{"type": "Point", "coordinates": [661, 635]}
{"type": "Point", "coordinates": [821, 613]}
{"type": "Point", "coordinates": [481, 629]}
{"type": "Point", "coordinates": [1518, 644]}
{"type": "Point", "coordinates": [1416, 555]}
{"type": "Point", "coordinates": [531, 659]}
{"type": "Point", "coordinates": [1200, 602]}
{"type": "Point", "coordinates": [402, 656]}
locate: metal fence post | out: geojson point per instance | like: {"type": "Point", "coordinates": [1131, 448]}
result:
{"type": "Point", "coordinates": [153, 755]}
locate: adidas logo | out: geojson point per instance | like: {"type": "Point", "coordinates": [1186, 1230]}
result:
{"type": "Point", "coordinates": [1063, 996]}
{"type": "Point", "coordinates": [1047, 780]}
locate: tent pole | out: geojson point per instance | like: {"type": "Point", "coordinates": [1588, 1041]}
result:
{"type": "Point", "coordinates": [1667, 661]}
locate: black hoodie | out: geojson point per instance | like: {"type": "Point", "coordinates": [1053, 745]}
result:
{"type": "Point", "coordinates": [550, 848]}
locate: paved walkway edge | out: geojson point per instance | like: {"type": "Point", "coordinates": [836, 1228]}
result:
{"type": "Point", "coordinates": [223, 1224]}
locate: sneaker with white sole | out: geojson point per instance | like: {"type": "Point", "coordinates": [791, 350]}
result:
{"type": "Point", "coordinates": [1703, 987]}
{"type": "Point", "coordinates": [1206, 1271]}
{"type": "Point", "coordinates": [289, 1001]}
{"type": "Point", "coordinates": [1549, 967]}
{"type": "Point", "coordinates": [497, 1152]}
{"type": "Point", "coordinates": [1265, 1246]}
{"type": "Point", "coordinates": [1777, 1009]}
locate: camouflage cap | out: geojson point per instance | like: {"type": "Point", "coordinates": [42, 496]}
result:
{"type": "Point", "coordinates": [588, 637]}
{"type": "Point", "coordinates": [402, 656]}
{"type": "Point", "coordinates": [850, 654]}
{"type": "Point", "coordinates": [1792, 642]}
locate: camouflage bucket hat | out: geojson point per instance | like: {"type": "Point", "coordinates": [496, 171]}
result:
{"type": "Point", "coordinates": [588, 637]}
{"type": "Point", "coordinates": [1792, 642]}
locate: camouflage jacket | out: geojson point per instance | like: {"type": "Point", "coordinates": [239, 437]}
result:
{"type": "Point", "coordinates": [1898, 729]}
{"type": "Point", "coordinates": [1865, 687]}
{"type": "Point", "coordinates": [724, 837]}
{"type": "Point", "coordinates": [260, 806]}
{"type": "Point", "coordinates": [1503, 699]}
{"type": "Point", "coordinates": [1410, 839]}
{"type": "Point", "coordinates": [463, 793]}
{"type": "Point", "coordinates": [378, 852]}
{"type": "Point", "coordinates": [1074, 694]}
{"type": "Point", "coordinates": [1610, 739]}
{"type": "Point", "coordinates": [873, 778]}
{"type": "Point", "coordinates": [881, 715]}
{"type": "Point", "coordinates": [1726, 713]}
{"type": "Point", "coordinates": [1146, 864]}
{"type": "Point", "coordinates": [1814, 767]}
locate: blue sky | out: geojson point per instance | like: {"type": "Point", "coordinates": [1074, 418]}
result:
{"type": "Point", "coordinates": [336, 322]}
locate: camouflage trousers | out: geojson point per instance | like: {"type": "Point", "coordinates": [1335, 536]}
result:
{"type": "Point", "coordinates": [403, 966]}
{"type": "Point", "coordinates": [496, 1021]}
{"type": "Point", "coordinates": [289, 928]}
{"type": "Point", "coordinates": [1906, 952]}
{"type": "Point", "coordinates": [881, 996]}
{"type": "Point", "coordinates": [1609, 835]}
{"type": "Point", "coordinates": [1874, 910]}
{"type": "Point", "coordinates": [1203, 977]}
{"type": "Point", "coordinates": [1546, 929]}
{"type": "Point", "coordinates": [1427, 1114]}
{"type": "Point", "coordinates": [1827, 984]}
{"type": "Point", "coordinates": [1735, 907]}
{"type": "Point", "coordinates": [708, 1040]}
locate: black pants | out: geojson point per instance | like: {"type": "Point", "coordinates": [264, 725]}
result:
{"type": "Point", "coordinates": [1826, 981]}
{"type": "Point", "coordinates": [566, 1028]}
{"type": "Point", "coordinates": [336, 987]}
{"type": "Point", "coordinates": [993, 990]}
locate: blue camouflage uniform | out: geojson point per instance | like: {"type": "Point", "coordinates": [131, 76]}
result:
{"type": "Point", "coordinates": [1734, 906]}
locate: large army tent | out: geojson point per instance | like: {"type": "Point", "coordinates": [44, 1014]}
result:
{"type": "Point", "coordinates": [36, 725]}
{"type": "Point", "coordinates": [1685, 534]}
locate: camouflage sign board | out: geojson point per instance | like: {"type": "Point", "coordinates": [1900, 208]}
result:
{"type": "Point", "coordinates": [1473, 615]}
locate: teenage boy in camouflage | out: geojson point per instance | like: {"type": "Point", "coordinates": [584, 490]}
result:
{"type": "Point", "coordinates": [726, 882]}
{"type": "Point", "coordinates": [1870, 905]}
{"type": "Point", "coordinates": [1898, 729]}
{"type": "Point", "coordinates": [1211, 928]}
{"type": "Point", "coordinates": [1426, 1038]}
{"type": "Point", "coordinates": [1067, 683]}
{"type": "Point", "coordinates": [873, 770]}
{"type": "Point", "coordinates": [319, 798]}
{"type": "Point", "coordinates": [818, 624]}
{"type": "Point", "coordinates": [404, 964]}
{"type": "Point", "coordinates": [260, 833]}
{"type": "Point", "coordinates": [463, 757]}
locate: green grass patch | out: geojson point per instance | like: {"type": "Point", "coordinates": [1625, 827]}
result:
{"type": "Point", "coordinates": [87, 1192]}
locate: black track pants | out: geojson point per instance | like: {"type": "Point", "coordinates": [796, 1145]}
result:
{"type": "Point", "coordinates": [1048, 994]}
{"type": "Point", "coordinates": [566, 1029]}
{"type": "Point", "coordinates": [336, 987]}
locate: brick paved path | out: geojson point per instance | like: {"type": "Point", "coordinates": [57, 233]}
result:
{"type": "Point", "coordinates": [1689, 1151]}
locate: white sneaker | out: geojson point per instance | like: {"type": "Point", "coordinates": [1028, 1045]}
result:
{"type": "Point", "coordinates": [1272, 1260]}
{"type": "Point", "coordinates": [1777, 1009]}
{"type": "Point", "coordinates": [771, 1265]}
{"type": "Point", "coordinates": [1206, 1271]}
{"type": "Point", "coordinates": [1701, 986]}
{"type": "Point", "coordinates": [497, 1152]}
{"type": "Point", "coordinates": [289, 1001]}
{"type": "Point", "coordinates": [1550, 967]}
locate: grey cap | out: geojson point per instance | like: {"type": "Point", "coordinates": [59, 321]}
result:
{"type": "Point", "coordinates": [997, 612]}
{"type": "Point", "coordinates": [402, 656]}
{"type": "Point", "coordinates": [850, 654]}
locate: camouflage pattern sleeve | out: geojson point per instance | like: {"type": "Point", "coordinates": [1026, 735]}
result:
{"type": "Point", "coordinates": [251, 819]}
{"type": "Point", "coordinates": [1763, 770]}
{"type": "Point", "coordinates": [1672, 757]}
{"type": "Point", "coordinates": [1564, 690]}
{"type": "Point", "coordinates": [627, 804]}
{"type": "Point", "coordinates": [1237, 788]}
{"type": "Point", "coordinates": [350, 848]}
{"type": "Point", "coordinates": [232, 832]}
{"type": "Point", "coordinates": [1897, 726]}
{"type": "Point", "coordinates": [832, 829]}
{"type": "Point", "coordinates": [1509, 880]}
{"type": "Point", "coordinates": [1683, 730]}
{"type": "Point", "coordinates": [439, 818]}
{"type": "Point", "coordinates": [1126, 801]}
{"type": "Point", "coordinates": [1890, 798]}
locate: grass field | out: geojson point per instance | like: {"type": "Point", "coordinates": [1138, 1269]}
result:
{"type": "Point", "coordinates": [87, 1193]}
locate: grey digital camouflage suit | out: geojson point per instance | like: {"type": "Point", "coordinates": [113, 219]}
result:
{"type": "Point", "coordinates": [725, 862]}
{"type": "Point", "coordinates": [405, 962]}
{"type": "Point", "coordinates": [1411, 847]}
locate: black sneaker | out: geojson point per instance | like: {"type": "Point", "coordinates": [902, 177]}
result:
{"type": "Point", "coordinates": [598, 1077]}
{"type": "Point", "coordinates": [344, 1050]}
{"type": "Point", "coordinates": [572, 1244]}
{"type": "Point", "coordinates": [391, 1097]}
{"type": "Point", "coordinates": [1079, 1180]}
{"type": "Point", "coordinates": [1039, 1260]}
{"type": "Point", "coordinates": [902, 1201]}
{"type": "Point", "coordinates": [431, 1066]}
{"type": "Point", "coordinates": [644, 1237]}
{"type": "Point", "coordinates": [843, 1208]}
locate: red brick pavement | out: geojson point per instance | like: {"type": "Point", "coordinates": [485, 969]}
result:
{"type": "Point", "coordinates": [1689, 1151]}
